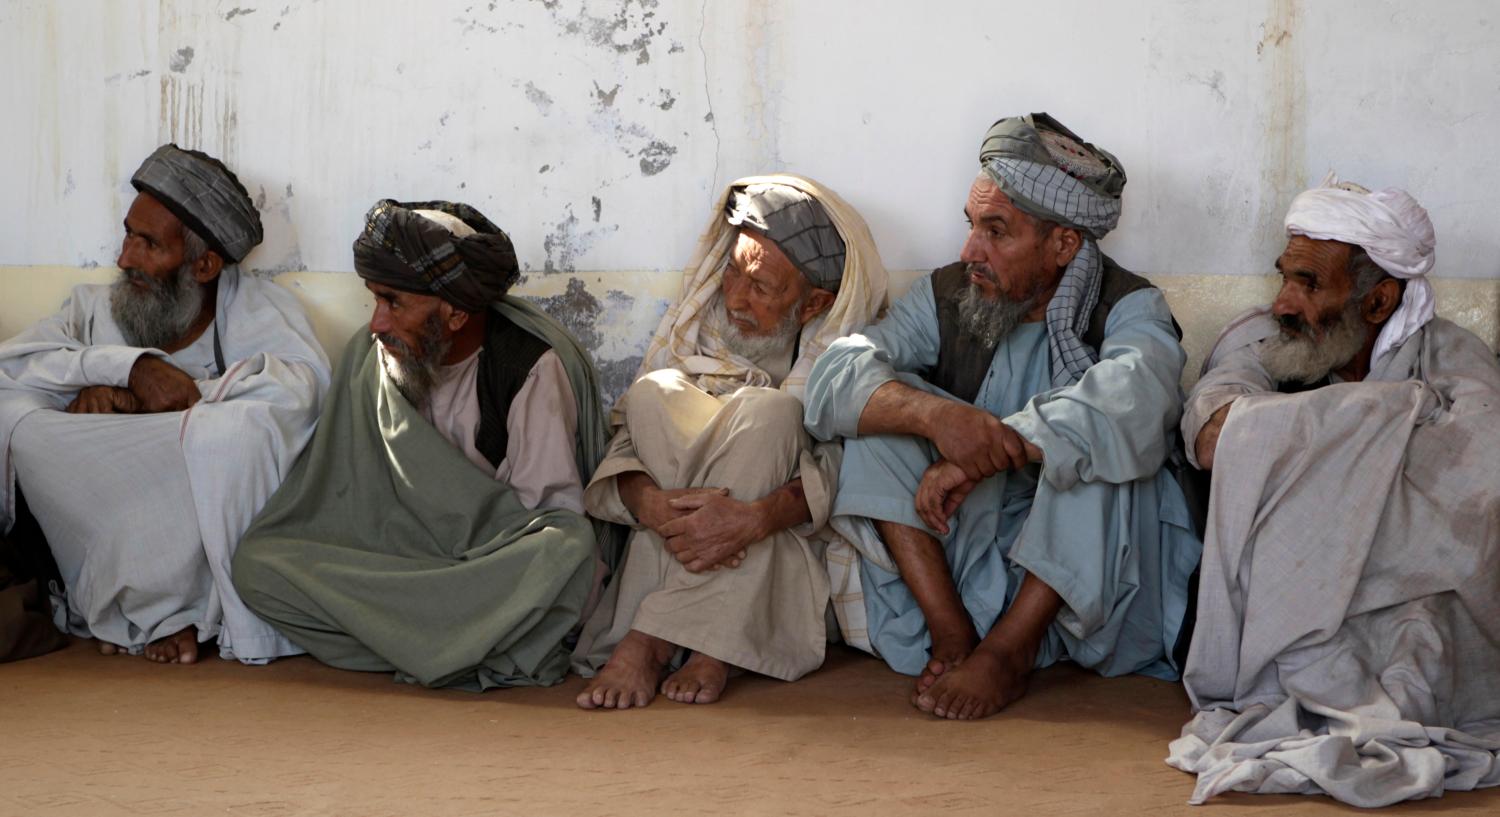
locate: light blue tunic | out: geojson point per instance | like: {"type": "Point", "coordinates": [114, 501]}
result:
{"type": "Point", "coordinates": [1100, 520]}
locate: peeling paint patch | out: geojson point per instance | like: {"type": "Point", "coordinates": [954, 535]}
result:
{"type": "Point", "coordinates": [655, 157]}
{"type": "Point", "coordinates": [566, 242]}
{"type": "Point", "coordinates": [598, 205]}
{"type": "Point", "coordinates": [667, 100]}
{"type": "Point", "coordinates": [539, 98]}
{"type": "Point", "coordinates": [289, 190]}
{"type": "Point", "coordinates": [181, 59]}
{"type": "Point", "coordinates": [598, 326]}
{"type": "Point", "coordinates": [636, 20]}
{"type": "Point", "coordinates": [543, 169]}
{"type": "Point", "coordinates": [238, 12]}
{"type": "Point", "coordinates": [606, 99]}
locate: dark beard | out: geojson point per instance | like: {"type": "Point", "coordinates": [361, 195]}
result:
{"type": "Point", "coordinates": [989, 321]}
{"type": "Point", "coordinates": [1300, 358]}
{"type": "Point", "coordinates": [160, 314]}
{"type": "Point", "coordinates": [415, 373]}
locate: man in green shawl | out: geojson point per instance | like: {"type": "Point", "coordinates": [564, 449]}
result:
{"type": "Point", "coordinates": [435, 527]}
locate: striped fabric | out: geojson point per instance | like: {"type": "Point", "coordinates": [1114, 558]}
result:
{"type": "Point", "coordinates": [1069, 202]}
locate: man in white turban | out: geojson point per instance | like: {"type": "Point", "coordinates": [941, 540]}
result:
{"type": "Point", "coordinates": [148, 420]}
{"type": "Point", "coordinates": [1348, 630]}
{"type": "Point", "coordinates": [726, 494]}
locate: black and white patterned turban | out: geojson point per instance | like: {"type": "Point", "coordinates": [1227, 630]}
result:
{"type": "Point", "coordinates": [798, 225]}
{"type": "Point", "coordinates": [1050, 173]}
{"type": "Point", "coordinates": [206, 196]}
{"type": "Point", "coordinates": [405, 245]}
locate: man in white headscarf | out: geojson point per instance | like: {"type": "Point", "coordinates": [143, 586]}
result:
{"type": "Point", "coordinates": [1006, 432]}
{"type": "Point", "coordinates": [710, 464]}
{"type": "Point", "coordinates": [1349, 602]}
{"type": "Point", "coordinates": [148, 421]}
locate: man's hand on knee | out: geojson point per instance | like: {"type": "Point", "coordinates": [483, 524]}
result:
{"type": "Point", "coordinates": [159, 386]}
{"type": "Point", "coordinates": [977, 442]}
{"type": "Point", "coordinates": [716, 529]}
{"type": "Point", "coordinates": [944, 487]}
{"type": "Point", "coordinates": [104, 400]}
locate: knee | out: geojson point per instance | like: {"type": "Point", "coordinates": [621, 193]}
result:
{"type": "Point", "coordinates": [651, 390]}
{"type": "Point", "coordinates": [775, 416]}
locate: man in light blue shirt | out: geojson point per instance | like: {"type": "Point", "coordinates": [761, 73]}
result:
{"type": "Point", "coordinates": [1007, 426]}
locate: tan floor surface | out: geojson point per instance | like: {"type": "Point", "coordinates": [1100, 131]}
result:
{"type": "Point", "coordinates": [85, 734]}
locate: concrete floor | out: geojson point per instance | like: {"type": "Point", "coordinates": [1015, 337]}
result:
{"type": "Point", "coordinates": [85, 734]}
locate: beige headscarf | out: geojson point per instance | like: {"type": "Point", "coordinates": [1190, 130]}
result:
{"type": "Point", "coordinates": [685, 341]}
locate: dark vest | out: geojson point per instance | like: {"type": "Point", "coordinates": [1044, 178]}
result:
{"type": "Point", "coordinates": [506, 359]}
{"type": "Point", "coordinates": [963, 362]}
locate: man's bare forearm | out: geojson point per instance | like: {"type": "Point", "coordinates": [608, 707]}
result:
{"type": "Point", "coordinates": [896, 408]}
{"type": "Point", "coordinates": [634, 487]}
{"type": "Point", "coordinates": [785, 507]}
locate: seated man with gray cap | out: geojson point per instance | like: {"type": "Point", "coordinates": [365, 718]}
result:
{"type": "Point", "coordinates": [434, 528]}
{"type": "Point", "coordinates": [1006, 428]}
{"type": "Point", "coordinates": [149, 420]}
{"type": "Point", "coordinates": [710, 465]}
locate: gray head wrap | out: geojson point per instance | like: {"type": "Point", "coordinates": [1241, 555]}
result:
{"type": "Point", "coordinates": [1050, 173]}
{"type": "Point", "coordinates": [798, 224]}
{"type": "Point", "coordinates": [205, 195]}
{"type": "Point", "coordinates": [405, 249]}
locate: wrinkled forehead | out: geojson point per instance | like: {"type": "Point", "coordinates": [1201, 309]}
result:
{"type": "Point", "coordinates": [1322, 256]}
{"type": "Point", "coordinates": [987, 199]}
{"type": "Point", "coordinates": [757, 254]}
{"type": "Point", "coordinates": [149, 215]}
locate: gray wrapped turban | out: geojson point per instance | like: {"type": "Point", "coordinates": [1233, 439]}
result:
{"type": "Point", "coordinates": [798, 224]}
{"type": "Point", "coordinates": [206, 196]}
{"type": "Point", "coordinates": [407, 250]}
{"type": "Point", "coordinates": [1050, 173]}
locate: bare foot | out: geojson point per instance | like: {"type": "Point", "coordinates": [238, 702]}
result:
{"type": "Point", "coordinates": [178, 648]}
{"type": "Point", "coordinates": [630, 676]}
{"type": "Point", "coordinates": [948, 651]}
{"type": "Point", "coordinates": [700, 681]}
{"type": "Point", "coordinates": [986, 682]}
{"type": "Point", "coordinates": [106, 648]}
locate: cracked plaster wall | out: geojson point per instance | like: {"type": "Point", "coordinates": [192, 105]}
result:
{"type": "Point", "coordinates": [597, 133]}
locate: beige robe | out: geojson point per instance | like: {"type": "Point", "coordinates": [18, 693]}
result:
{"type": "Point", "coordinates": [768, 614]}
{"type": "Point", "coordinates": [542, 423]}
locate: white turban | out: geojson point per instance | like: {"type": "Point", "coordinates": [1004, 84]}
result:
{"type": "Point", "coordinates": [1393, 230]}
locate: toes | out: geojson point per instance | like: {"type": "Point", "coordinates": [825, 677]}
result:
{"type": "Point", "coordinates": [585, 700]}
{"type": "Point", "coordinates": [706, 695]}
{"type": "Point", "coordinates": [925, 701]}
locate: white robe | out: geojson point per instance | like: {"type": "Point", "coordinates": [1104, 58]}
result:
{"type": "Point", "coordinates": [144, 511]}
{"type": "Point", "coordinates": [1348, 631]}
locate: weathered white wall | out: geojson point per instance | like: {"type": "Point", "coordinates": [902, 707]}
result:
{"type": "Point", "coordinates": [598, 132]}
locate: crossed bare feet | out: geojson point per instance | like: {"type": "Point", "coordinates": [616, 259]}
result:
{"type": "Point", "coordinates": [179, 648]}
{"type": "Point", "coordinates": [630, 676]}
{"type": "Point", "coordinates": [700, 681]}
{"type": "Point", "coordinates": [948, 651]}
{"type": "Point", "coordinates": [975, 687]}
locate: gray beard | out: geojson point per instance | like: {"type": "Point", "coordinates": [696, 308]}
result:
{"type": "Point", "coordinates": [415, 375]}
{"type": "Point", "coordinates": [756, 347]}
{"type": "Point", "coordinates": [1303, 359]}
{"type": "Point", "coordinates": [160, 314]}
{"type": "Point", "coordinates": [988, 321]}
